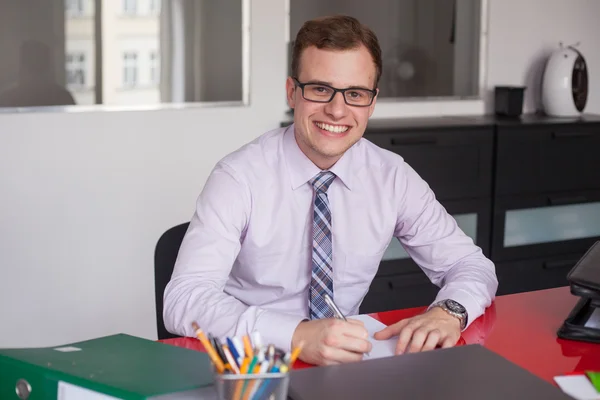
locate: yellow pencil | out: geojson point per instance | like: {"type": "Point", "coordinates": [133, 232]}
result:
{"type": "Point", "coordinates": [212, 353]}
{"type": "Point", "coordinates": [296, 353]}
{"type": "Point", "coordinates": [247, 346]}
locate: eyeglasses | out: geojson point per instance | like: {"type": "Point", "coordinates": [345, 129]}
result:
{"type": "Point", "coordinates": [321, 93]}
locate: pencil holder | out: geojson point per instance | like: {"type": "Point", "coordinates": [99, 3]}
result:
{"type": "Point", "coordinates": [269, 386]}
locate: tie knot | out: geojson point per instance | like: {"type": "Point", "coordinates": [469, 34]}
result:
{"type": "Point", "coordinates": [322, 180]}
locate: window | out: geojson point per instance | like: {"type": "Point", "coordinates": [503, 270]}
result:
{"type": "Point", "coordinates": [130, 7]}
{"type": "Point", "coordinates": [429, 48]}
{"type": "Point", "coordinates": [112, 57]}
{"type": "Point", "coordinates": [75, 70]}
{"type": "Point", "coordinates": [154, 7]}
{"type": "Point", "coordinates": [75, 7]}
{"type": "Point", "coordinates": [154, 68]}
{"type": "Point", "coordinates": [130, 68]}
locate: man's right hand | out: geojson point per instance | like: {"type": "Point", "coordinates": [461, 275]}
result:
{"type": "Point", "coordinates": [331, 341]}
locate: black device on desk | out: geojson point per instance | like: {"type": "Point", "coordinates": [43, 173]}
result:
{"type": "Point", "coordinates": [463, 372]}
{"type": "Point", "coordinates": [582, 323]}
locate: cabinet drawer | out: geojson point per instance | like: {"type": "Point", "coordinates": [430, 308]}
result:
{"type": "Point", "coordinates": [399, 291]}
{"type": "Point", "coordinates": [526, 227]}
{"type": "Point", "coordinates": [538, 159]}
{"type": "Point", "coordinates": [456, 164]}
{"type": "Point", "coordinates": [536, 274]}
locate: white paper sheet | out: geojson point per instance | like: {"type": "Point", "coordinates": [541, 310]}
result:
{"type": "Point", "coordinates": [381, 348]}
{"type": "Point", "coordinates": [577, 386]}
{"type": "Point", "coordinates": [594, 320]}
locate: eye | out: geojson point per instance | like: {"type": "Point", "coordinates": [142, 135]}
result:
{"type": "Point", "coordinates": [356, 94]}
{"type": "Point", "coordinates": [320, 89]}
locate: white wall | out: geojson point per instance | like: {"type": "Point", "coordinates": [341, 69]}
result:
{"type": "Point", "coordinates": [524, 33]}
{"type": "Point", "coordinates": [85, 195]}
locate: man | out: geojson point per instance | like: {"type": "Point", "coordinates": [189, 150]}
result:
{"type": "Point", "coordinates": [308, 210]}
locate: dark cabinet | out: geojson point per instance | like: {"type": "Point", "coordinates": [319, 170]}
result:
{"type": "Point", "coordinates": [545, 224]}
{"type": "Point", "coordinates": [547, 157]}
{"type": "Point", "coordinates": [456, 163]}
{"type": "Point", "coordinates": [534, 274]}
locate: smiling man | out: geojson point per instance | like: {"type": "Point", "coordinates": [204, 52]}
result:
{"type": "Point", "coordinates": [308, 211]}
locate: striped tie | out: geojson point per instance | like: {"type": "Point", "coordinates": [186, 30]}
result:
{"type": "Point", "coordinates": [321, 281]}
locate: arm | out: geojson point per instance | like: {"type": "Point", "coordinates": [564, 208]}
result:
{"type": "Point", "coordinates": [444, 252]}
{"type": "Point", "coordinates": [205, 260]}
{"type": "Point", "coordinates": [450, 260]}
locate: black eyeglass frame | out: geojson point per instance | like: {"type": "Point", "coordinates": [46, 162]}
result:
{"type": "Point", "coordinates": [335, 91]}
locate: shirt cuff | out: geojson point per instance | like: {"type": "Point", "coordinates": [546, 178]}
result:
{"type": "Point", "coordinates": [465, 299]}
{"type": "Point", "coordinates": [277, 328]}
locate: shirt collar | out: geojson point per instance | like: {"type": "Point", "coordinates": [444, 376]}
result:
{"type": "Point", "coordinates": [302, 169]}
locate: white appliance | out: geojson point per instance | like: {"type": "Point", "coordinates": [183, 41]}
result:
{"type": "Point", "coordinates": [565, 83]}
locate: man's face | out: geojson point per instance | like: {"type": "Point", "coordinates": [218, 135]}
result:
{"type": "Point", "coordinates": [324, 131]}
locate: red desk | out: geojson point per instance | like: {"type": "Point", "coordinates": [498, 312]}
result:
{"type": "Point", "coordinates": [521, 327]}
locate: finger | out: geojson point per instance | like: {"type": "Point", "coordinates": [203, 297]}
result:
{"type": "Point", "coordinates": [355, 345]}
{"type": "Point", "coordinates": [391, 330]}
{"type": "Point", "coordinates": [352, 338]}
{"type": "Point", "coordinates": [418, 339]}
{"type": "Point", "coordinates": [448, 342]}
{"type": "Point", "coordinates": [353, 330]}
{"type": "Point", "coordinates": [347, 336]}
{"type": "Point", "coordinates": [404, 337]}
{"type": "Point", "coordinates": [433, 338]}
{"type": "Point", "coordinates": [332, 356]}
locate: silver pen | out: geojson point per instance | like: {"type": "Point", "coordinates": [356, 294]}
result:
{"type": "Point", "coordinates": [336, 310]}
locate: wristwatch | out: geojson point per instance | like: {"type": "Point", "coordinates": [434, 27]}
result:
{"type": "Point", "coordinates": [455, 309]}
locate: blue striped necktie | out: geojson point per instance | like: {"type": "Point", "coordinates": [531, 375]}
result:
{"type": "Point", "coordinates": [321, 281]}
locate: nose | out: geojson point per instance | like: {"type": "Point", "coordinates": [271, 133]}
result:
{"type": "Point", "coordinates": [336, 108]}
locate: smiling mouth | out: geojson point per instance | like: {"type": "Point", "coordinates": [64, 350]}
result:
{"type": "Point", "coordinates": [332, 128]}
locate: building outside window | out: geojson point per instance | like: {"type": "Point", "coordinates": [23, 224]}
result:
{"type": "Point", "coordinates": [130, 69]}
{"type": "Point", "coordinates": [130, 7]}
{"type": "Point", "coordinates": [75, 70]}
{"type": "Point", "coordinates": [75, 7]}
{"type": "Point", "coordinates": [154, 7]}
{"type": "Point", "coordinates": [154, 68]}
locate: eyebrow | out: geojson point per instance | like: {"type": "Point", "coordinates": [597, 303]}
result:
{"type": "Point", "coordinates": [329, 84]}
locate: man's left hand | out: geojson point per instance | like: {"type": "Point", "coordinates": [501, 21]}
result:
{"type": "Point", "coordinates": [423, 332]}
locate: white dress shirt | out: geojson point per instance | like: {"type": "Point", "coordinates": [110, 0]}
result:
{"type": "Point", "coordinates": [245, 262]}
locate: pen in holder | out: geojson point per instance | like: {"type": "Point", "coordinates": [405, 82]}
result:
{"type": "Point", "coordinates": [244, 369]}
{"type": "Point", "coordinates": [272, 386]}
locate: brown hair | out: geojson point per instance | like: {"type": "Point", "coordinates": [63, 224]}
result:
{"type": "Point", "coordinates": [336, 33]}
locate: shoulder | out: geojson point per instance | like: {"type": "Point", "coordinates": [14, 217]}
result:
{"type": "Point", "coordinates": [377, 158]}
{"type": "Point", "coordinates": [255, 157]}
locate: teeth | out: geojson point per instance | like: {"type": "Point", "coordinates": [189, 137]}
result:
{"type": "Point", "coordinates": [332, 128]}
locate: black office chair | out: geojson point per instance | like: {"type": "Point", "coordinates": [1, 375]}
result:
{"type": "Point", "coordinates": [165, 256]}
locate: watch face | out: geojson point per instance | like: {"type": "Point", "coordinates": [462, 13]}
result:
{"type": "Point", "coordinates": [455, 306]}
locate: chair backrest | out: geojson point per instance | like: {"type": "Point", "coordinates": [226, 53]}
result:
{"type": "Point", "coordinates": [165, 256]}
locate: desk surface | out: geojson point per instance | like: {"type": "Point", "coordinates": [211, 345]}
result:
{"type": "Point", "coordinates": [520, 327]}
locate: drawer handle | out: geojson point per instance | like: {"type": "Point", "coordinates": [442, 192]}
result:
{"type": "Point", "coordinates": [558, 135]}
{"type": "Point", "coordinates": [559, 201]}
{"type": "Point", "coordinates": [559, 264]}
{"type": "Point", "coordinates": [413, 140]}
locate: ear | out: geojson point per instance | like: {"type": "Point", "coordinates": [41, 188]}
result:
{"type": "Point", "coordinates": [372, 106]}
{"type": "Point", "coordinates": [290, 89]}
